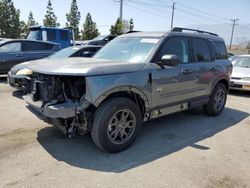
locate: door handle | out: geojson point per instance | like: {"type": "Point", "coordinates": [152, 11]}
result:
{"type": "Point", "coordinates": [187, 71]}
{"type": "Point", "coordinates": [19, 55]}
{"type": "Point", "coordinates": [213, 69]}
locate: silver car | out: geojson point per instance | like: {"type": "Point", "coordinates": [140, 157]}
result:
{"type": "Point", "coordinates": [240, 79]}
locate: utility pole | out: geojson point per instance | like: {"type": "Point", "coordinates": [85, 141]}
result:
{"type": "Point", "coordinates": [234, 23]}
{"type": "Point", "coordinates": [172, 21]}
{"type": "Point", "coordinates": [121, 10]}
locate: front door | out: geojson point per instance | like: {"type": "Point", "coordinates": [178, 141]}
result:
{"type": "Point", "coordinates": [172, 85]}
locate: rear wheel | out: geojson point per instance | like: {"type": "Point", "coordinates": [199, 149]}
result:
{"type": "Point", "coordinates": [217, 101]}
{"type": "Point", "coordinates": [116, 124]}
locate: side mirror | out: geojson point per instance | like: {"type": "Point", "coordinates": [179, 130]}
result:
{"type": "Point", "coordinates": [169, 60]}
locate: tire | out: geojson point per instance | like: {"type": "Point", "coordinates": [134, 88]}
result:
{"type": "Point", "coordinates": [116, 124]}
{"type": "Point", "coordinates": [217, 101]}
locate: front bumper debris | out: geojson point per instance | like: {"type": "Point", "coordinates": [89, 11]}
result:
{"type": "Point", "coordinates": [62, 110]}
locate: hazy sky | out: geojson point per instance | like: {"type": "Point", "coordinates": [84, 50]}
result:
{"type": "Point", "coordinates": [148, 15]}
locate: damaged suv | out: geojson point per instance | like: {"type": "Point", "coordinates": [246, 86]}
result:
{"type": "Point", "coordinates": [135, 78]}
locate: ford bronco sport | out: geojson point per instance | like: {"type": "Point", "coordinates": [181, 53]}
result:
{"type": "Point", "coordinates": [135, 78]}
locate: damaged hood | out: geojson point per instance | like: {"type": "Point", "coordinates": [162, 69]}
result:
{"type": "Point", "coordinates": [82, 66]}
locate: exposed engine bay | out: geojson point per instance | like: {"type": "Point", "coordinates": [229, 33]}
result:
{"type": "Point", "coordinates": [61, 100]}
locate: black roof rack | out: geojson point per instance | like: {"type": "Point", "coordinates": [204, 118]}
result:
{"type": "Point", "coordinates": [180, 29]}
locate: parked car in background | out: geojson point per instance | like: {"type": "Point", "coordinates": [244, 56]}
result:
{"type": "Point", "coordinates": [17, 75]}
{"type": "Point", "coordinates": [101, 40]}
{"type": "Point", "coordinates": [13, 52]}
{"type": "Point", "coordinates": [136, 77]}
{"type": "Point", "coordinates": [240, 79]}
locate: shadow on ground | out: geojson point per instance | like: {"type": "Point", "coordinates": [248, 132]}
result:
{"type": "Point", "coordinates": [3, 80]}
{"type": "Point", "coordinates": [157, 139]}
{"type": "Point", "coordinates": [238, 93]}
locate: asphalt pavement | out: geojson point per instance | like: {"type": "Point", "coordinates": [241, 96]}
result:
{"type": "Point", "coordinates": [187, 149]}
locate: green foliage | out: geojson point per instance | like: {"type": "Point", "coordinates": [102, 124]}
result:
{"type": "Point", "coordinates": [31, 20]}
{"type": "Point", "coordinates": [9, 20]}
{"type": "Point", "coordinates": [73, 18]}
{"type": "Point", "coordinates": [50, 17]}
{"type": "Point", "coordinates": [117, 29]}
{"type": "Point", "coordinates": [131, 24]}
{"type": "Point", "coordinates": [25, 26]}
{"type": "Point", "coordinates": [90, 30]}
{"type": "Point", "coordinates": [122, 27]}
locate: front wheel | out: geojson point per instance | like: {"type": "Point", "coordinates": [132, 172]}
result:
{"type": "Point", "coordinates": [116, 124]}
{"type": "Point", "coordinates": [217, 101]}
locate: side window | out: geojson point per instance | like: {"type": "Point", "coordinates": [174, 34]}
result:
{"type": "Point", "coordinates": [221, 48]}
{"type": "Point", "coordinates": [201, 50]}
{"type": "Point", "coordinates": [89, 52]}
{"type": "Point", "coordinates": [11, 47]}
{"type": "Point", "coordinates": [36, 46]}
{"type": "Point", "coordinates": [51, 35]}
{"type": "Point", "coordinates": [176, 46]}
{"type": "Point", "coordinates": [64, 35]}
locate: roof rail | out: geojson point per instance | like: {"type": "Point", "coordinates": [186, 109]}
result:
{"type": "Point", "coordinates": [180, 29]}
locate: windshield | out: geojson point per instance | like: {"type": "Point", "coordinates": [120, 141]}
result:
{"type": "Point", "coordinates": [243, 62]}
{"type": "Point", "coordinates": [131, 49]}
{"type": "Point", "coordinates": [64, 53]}
{"type": "Point", "coordinates": [100, 37]}
{"type": "Point", "coordinates": [35, 35]}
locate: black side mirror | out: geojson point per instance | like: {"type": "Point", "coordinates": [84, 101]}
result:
{"type": "Point", "coordinates": [169, 60]}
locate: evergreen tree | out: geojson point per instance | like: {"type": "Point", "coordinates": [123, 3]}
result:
{"type": "Point", "coordinates": [73, 18]}
{"type": "Point", "coordinates": [25, 27]}
{"type": "Point", "coordinates": [117, 29]}
{"type": "Point", "coordinates": [9, 20]}
{"type": "Point", "coordinates": [31, 20]}
{"type": "Point", "coordinates": [50, 17]}
{"type": "Point", "coordinates": [131, 24]}
{"type": "Point", "coordinates": [90, 30]}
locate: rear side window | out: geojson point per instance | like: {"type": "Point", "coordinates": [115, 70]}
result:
{"type": "Point", "coordinates": [221, 50]}
{"type": "Point", "coordinates": [201, 50]}
{"type": "Point", "coordinates": [51, 35]}
{"type": "Point", "coordinates": [178, 46]}
{"type": "Point", "coordinates": [64, 35]}
{"type": "Point", "coordinates": [36, 46]}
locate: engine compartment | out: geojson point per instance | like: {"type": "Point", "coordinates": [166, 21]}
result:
{"type": "Point", "coordinates": [49, 88]}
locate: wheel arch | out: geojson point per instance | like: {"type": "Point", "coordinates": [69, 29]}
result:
{"type": "Point", "coordinates": [224, 82]}
{"type": "Point", "coordinates": [132, 93]}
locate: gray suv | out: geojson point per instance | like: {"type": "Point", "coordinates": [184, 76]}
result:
{"type": "Point", "coordinates": [135, 78]}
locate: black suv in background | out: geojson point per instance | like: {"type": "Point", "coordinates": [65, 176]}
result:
{"type": "Point", "coordinates": [134, 78]}
{"type": "Point", "coordinates": [13, 52]}
{"type": "Point", "coordinates": [101, 40]}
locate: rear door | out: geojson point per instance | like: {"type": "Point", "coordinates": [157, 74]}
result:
{"type": "Point", "coordinates": [36, 50]}
{"type": "Point", "coordinates": [205, 67]}
{"type": "Point", "coordinates": [174, 84]}
{"type": "Point", "coordinates": [10, 55]}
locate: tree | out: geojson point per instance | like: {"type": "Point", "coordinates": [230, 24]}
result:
{"type": "Point", "coordinates": [9, 20]}
{"type": "Point", "coordinates": [90, 30]}
{"type": "Point", "coordinates": [73, 18]}
{"type": "Point", "coordinates": [131, 24]}
{"type": "Point", "coordinates": [117, 29]}
{"type": "Point", "coordinates": [50, 17]}
{"type": "Point", "coordinates": [122, 27]}
{"type": "Point", "coordinates": [31, 20]}
{"type": "Point", "coordinates": [25, 27]}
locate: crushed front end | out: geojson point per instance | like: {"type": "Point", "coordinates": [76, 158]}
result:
{"type": "Point", "coordinates": [61, 101]}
